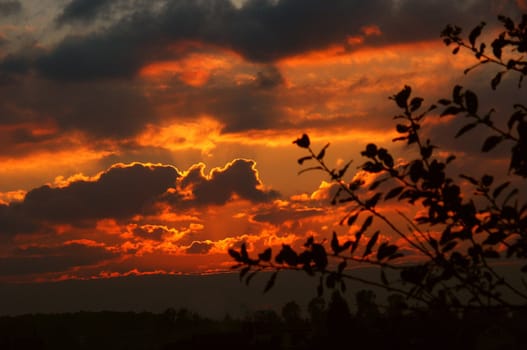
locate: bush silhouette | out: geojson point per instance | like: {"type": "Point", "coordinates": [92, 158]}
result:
{"type": "Point", "coordinates": [460, 235]}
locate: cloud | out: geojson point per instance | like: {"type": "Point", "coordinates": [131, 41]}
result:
{"type": "Point", "coordinates": [38, 260]}
{"type": "Point", "coordinates": [119, 193]}
{"type": "Point", "coordinates": [238, 178]}
{"type": "Point", "coordinates": [82, 10]}
{"type": "Point", "coordinates": [261, 31]}
{"type": "Point", "coordinates": [199, 248]}
{"type": "Point", "coordinates": [10, 7]}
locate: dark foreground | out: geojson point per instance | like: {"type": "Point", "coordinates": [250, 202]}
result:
{"type": "Point", "coordinates": [326, 324]}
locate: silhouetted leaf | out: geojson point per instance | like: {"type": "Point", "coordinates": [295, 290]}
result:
{"type": "Point", "coordinates": [309, 169]}
{"type": "Point", "coordinates": [372, 202]}
{"type": "Point", "coordinates": [243, 251]}
{"type": "Point", "coordinates": [496, 80]}
{"type": "Point", "coordinates": [449, 246]}
{"type": "Point", "coordinates": [384, 280]}
{"type": "Point", "coordinates": [491, 142]}
{"type": "Point", "coordinates": [402, 97]}
{"type": "Point", "coordinates": [394, 192]}
{"type": "Point", "coordinates": [401, 128]}
{"type": "Point", "coordinates": [303, 159]}
{"type": "Point", "coordinates": [250, 277]}
{"type": "Point", "coordinates": [271, 282]}
{"type": "Point", "coordinates": [367, 223]}
{"type": "Point", "coordinates": [385, 250]}
{"type": "Point", "coordinates": [371, 244]}
{"type": "Point", "coordinates": [235, 255]}
{"type": "Point", "coordinates": [456, 95]}
{"type": "Point", "coordinates": [342, 266]}
{"type": "Point", "coordinates": [415, 104]}
{"type": "Point", "coordinates": [303, 141]}
{"type": "Point", "coordinates": [469, 178]}
{"type": "Point", "coordinates": [335, 243]}
{"type": "Point", "coordinates": [266, 255]}
{"type": "Point", "coordinates": [486, 180]}
{"type": "Point", "coordinates": [319, 256]}
{"type": "Point", "coordinates": [244, 271]}
{"type": "Point", "coordinates": [342, 171]}
{"type": "Point", "coordinates": [322, 152]}
{"type": "Point", "coordinates": [352, 218]}
{"type": "Point", "coordinates": [456, 50]}
{"type": "Point", "coordinates": [466, 128]}
{"type": "Point", "coordinates": [497, 191]}
{"type": "Point", "coordinates": [475, 33]}
{"type": "Point", "coordinates": [451, 111]}
{"type": "Point", "coordinates": [471, 100]}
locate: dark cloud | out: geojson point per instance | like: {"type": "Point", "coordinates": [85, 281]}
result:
{"type": "Point", "coordinates": [120, 192]}
{"type": "Point", "coordinates": [262, 30]}
{"type": "Point", "coordinates": [10, 7]}
{"type": "Point", "coordinates": [150, 232]}
{"type": "Point", "coordinates": [118, 109]}
{"type": "Point", "coordinates": [199, 248]}
{"type": "Point", "coordinates": [238, 178]}
{"type": "Point", "coordinates": [35, 260]}
{"type": "Point", "coordinates": [269, 77]}
{"type": "Point", "coordinates": [82, 10]}
{"type": "Point", "coordinates": [277, 216]}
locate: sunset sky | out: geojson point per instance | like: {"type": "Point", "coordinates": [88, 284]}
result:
{"type": "Point", "coordinates": [149, 136]}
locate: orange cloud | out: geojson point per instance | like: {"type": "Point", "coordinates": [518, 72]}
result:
{"type": "Point", "coordinates": [194, 70]}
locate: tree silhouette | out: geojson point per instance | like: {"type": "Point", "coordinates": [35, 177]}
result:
{"type": "Point", "coordinates": [459, 235]}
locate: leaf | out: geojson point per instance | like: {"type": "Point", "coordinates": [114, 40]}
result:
{"type": "Point", "coordinates": [384, 280]}
{"type": "Point", "coordinates": [303, 141]}
{"type": "Point", "coordinates": [309, 169]}
{"type": "Point", "coordinates": [444, 102]}
{"type": "Point", "coordinates": [456, 50]}
{"type": "Point", "coordinates": [475, 33]}
{"type": "Point", "coordinates": [466, 128]}
{"type": "Point", "coordinates": [402, 97]}
{"type": "Point", "coordinates": [394, 192]}
{"type": "Point", "coordinates": [371, 244]}
{"type": "Point", "coordinates": [496, 80]}
{"type": "Point", "coordinates": [367, 223]}
{"type": "Point", "coordinates": [235, 255]}
{"type": "Point", "coordinates": [416, 103]}
{"type": "Point", "coordinates": [456, 94]}
{"type": "Point", "coordinates": [449, 246]}
{"type": "Point", "coordinates": [303, 159]}
{"type": "Point", "coordinates": [370, 203]}
{"type": "Point", "coordinates": [491, 142]}
{"type": "Point", "coordinates": [469, 179]}
{"type": "Point", "coordinates": [401, 128]}
{"type": "Point", "coordinates": [471, 100]}
{"type": "Point", "coordinates": [244, 271]}
{"type": "Point", "coordinates": [266, 255]}
{"type": "Point", "coordinates": [322, 152]}
{"type": "Point", "coordinates": [250, 277]}
{"type": "Point", "coordinates": [335, 243]}
{"type": "Point", "coordinates": [342, 266]}
{"type": "Point", "coordinates": [271, 282]}
{"type": "Point", "coordinates": [344, 169]}
{"type": "Point", "coordinates": [352, 219]}
{"type": "Point", "coordinates": [497, 191]}
{"type": "Point", "coordinates": [451, 110]}
{"type": "Point", "coordinates": [385, 250]}
{"type": "Point", "coordinates": [243, 251]}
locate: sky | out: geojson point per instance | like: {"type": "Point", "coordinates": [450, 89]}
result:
{"type": "Point", "coordinates": [147, 137]}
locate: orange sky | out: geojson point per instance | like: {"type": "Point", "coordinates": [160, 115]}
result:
{"type": "Point", "coordinates": [133, 142]}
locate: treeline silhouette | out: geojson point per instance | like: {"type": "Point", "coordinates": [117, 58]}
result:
{"type": "Point", "coordinates": [325, 322]}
